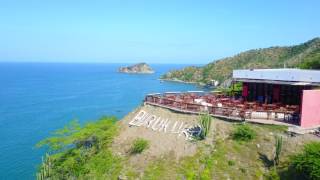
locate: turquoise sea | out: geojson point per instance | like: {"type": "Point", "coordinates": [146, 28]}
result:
{"type": "Point", "coordinates": [38, 98]}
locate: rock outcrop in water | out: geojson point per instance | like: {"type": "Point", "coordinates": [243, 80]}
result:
{"type": "Point", "coordinates": [141, 68]}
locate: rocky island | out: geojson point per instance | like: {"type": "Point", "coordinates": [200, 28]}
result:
{"type": "Point", "coordinates": [140, 68]}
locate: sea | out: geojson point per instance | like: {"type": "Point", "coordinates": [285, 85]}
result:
{"type": "Point", "coordinates": [38, 98]}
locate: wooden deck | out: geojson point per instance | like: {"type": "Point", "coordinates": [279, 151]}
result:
{"type": "Point", "coordinates": [258, 121]}
{"type": "Point", "coordinates": [224, 107]}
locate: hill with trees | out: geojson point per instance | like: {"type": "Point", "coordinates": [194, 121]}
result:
{"type": "Point", "coordinates": [305, 56]}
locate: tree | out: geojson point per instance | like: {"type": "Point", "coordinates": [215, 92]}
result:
{"type": "Point", "coordinates": [82, 152]}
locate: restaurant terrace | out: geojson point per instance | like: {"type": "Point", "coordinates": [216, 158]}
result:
{"type": "Point", "coordinates": [270, 96]}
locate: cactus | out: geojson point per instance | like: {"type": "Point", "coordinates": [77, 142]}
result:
{"type": "Point", "coordinates": [278, 147]}
{"type": "Point", "coordinates": [45, 168]}
{"type": "Point", "coordinates": [205, 123]}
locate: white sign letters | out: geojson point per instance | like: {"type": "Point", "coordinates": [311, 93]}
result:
{"type": "Point", "coordinates": [159, 124]}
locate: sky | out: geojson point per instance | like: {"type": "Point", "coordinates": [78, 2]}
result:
{"type": "Point", "coordinates": [165, 31]}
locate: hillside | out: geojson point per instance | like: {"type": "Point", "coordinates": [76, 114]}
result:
{"type": "Point", "coordinates": [103, 150]}
{"type": "Point", "coordinates": [306, 55]}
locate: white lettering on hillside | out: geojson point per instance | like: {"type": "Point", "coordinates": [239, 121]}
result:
{"type": "Point", "coordinates": [151, 121]}
{"type": "Point", "coordinates": [138, 118]}
{"type": "Point", "coordinates": [164, 126]}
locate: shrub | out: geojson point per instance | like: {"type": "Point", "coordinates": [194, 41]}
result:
{"type": "Point", "coordinates": [231, 163]}
{"type": "Point", "coordinates": [139, 145]}
{"type": "Point", "coordinates": [243, 170]}
{"type": "Point", "coordinates": [306, 165]}
{"type": "Point", "coordinates": [243, 133]}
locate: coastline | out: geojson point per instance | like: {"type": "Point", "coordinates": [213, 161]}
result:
{"type": "Point", "coordinates": [184, 82]}
{"type": "Point", "coordinates": [179, 81]}
{"type": "Point", "coordinates": [136, 72]}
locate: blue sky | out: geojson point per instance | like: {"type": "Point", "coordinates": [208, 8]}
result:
{"type": "Point", "coordinates": [165, 31]}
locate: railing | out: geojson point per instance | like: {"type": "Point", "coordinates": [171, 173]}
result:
{"type": "Point", "coordinates": [230, 111]}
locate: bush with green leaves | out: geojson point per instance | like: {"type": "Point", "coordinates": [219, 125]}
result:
{"type": "Point", "coordinates": [139, 145]}
{"type": "Point", "coordinates": [306, 165]}
{"type": "Point", "coordinates": [81, 152]}
{"type": "Point", "coordinates": [231, 163]}
{"type": "Point", "coordinates": [243, 132]}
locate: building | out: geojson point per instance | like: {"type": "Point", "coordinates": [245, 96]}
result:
{"type": "Point", "coordinates": [296, 89]}
{"type": "Point", "coordinates": [288, 97]}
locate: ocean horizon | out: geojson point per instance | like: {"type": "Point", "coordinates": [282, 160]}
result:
{"type": "Point", "coordinates": [38, 98]}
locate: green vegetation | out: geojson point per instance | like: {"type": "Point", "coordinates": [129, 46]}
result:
{"type": "Point", "coordinates": [205, 123]}
{"type": "Point", "coordinates": [306, 165]}
{"type": "Point", "coordinates": [312, 60]}
{"type": "Point", "coordinates": [272, 174]}
{"type": "Point", "coordinates": [306, 56]}
{"type": "Point", "coordinates": [162, 168]}
{"type": "Point", "coordinates": [276, 128]}
{"type": "Point", "coordinates": [236, 89]}
{"type": "Point", "coordinates": [243, 132]}
{"type": "Point", "coordinates": [82, 151]}
{"type": "Point", "coordinates": [278, 146]}
{"type": "Point", "coordinates": [231, 163]}
{"type": "Point", "coordinates": [226, 159]}
{"type": "Point", "coordinates": [315, 64]}
{"type": "Point", "coordinates": [187, 74]}
{"type": "Point", "coordinates": [139, 145]}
